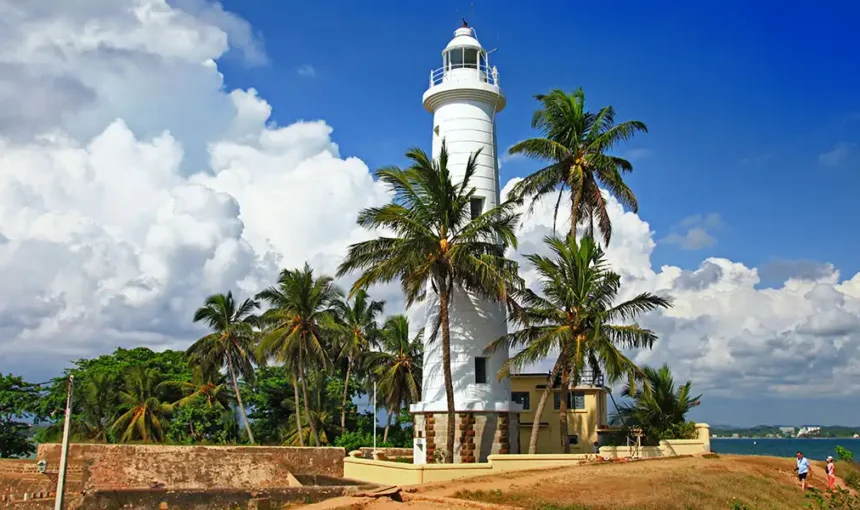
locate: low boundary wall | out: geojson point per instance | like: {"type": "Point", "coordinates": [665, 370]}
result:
{"type": "Point", "coordinates": [396, 473]}
{"type": "Point", "coordinates": [112, 466]}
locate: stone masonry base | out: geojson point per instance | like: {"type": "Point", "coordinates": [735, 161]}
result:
{"type": "Point", "coordinates": [477, 434]}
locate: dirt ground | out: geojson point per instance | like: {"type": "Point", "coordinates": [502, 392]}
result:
{"type": "Point", "coordinates": [665, 484]}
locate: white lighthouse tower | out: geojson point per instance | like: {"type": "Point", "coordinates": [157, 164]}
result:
{"type": "Point", "coordinates": [464, 98]}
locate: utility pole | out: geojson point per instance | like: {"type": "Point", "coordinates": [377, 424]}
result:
{"type": "Point", "coordinates": [64, 453]}
{"type": "Point", "coordinates": [374, 420]}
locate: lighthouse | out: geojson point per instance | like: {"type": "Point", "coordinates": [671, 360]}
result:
{"type": "Point", "coordinates": [464, 97]}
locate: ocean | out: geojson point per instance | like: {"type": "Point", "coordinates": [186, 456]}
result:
{"type": "Point", "coordinates": [813, 449]}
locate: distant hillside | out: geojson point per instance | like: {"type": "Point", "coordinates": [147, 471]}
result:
{"type": "Point", "coordinates": [774, 430]}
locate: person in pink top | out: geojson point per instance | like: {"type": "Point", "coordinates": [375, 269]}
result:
{"type": "Point", "coordinates": [830, 469]}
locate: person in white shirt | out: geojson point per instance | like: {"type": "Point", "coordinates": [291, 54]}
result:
{"type": "Point", "coordinates": [802, 469]}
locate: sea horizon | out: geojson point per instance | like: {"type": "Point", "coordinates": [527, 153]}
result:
{"type": "Point", "coordinates": [817, 448]}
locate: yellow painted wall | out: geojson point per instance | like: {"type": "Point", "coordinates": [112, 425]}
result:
{"type": "Point", "coordinates": [582, 422]}
{"type": "Point", "coordinates": [397, 473]}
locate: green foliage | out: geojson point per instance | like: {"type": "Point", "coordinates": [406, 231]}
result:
{"type": "Point", "coordinates": [837, 499]}
{"type": "Point", "coordinates": [271, 403]}
{"type": "Point", "coordinates": [844, 454]}
{"type": "Point", "coordinates": [576, 317]}
{"type": "Point", "coordinates": [574, 144]}
{"type": "Point", "coordinates": [200, 423]}
{"type": "Point", "coordinates": [658, 408]}
{"type": "Point", "coordinates": [357, 439]}
{"type": "Point", "coordinates": [17, 399]}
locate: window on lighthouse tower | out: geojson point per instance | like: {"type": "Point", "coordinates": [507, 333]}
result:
{"type": "Point", "coordinates": [476, 207]}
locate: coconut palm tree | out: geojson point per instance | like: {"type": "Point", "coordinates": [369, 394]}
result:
{"type": "Point", "coordinates": [143, 419]}
{"type": "Point", "coordinates": [431, 242]}
{"type": "Point", "coordinates": [357, 322]}
{"type": "Point", "coordinates": [230, 344]}
{"type": "Point", "coordinates": [397, 366]}
{"type": "Point", "coordinates": [574, 145]}
{"type": "Point", "coordinates": [658, 407]}
{"type": "Point", "coordinates": [575, 318]}
{"type": "Point", "coordinates": [206, 383]}
{"type": "Point", "coordinates": [301, 324]}
{"type": "Point", "coordinates": [98, 401]}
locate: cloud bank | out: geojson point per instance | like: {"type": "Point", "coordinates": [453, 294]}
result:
{"type": "Point", "coordinates": [132, 185]}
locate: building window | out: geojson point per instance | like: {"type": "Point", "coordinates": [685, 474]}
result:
{"type": "Point", "coordinates": [522, 398]}
{"type": "Point", "coordinates": [476, 207]}
{"type": "Point", "coordinates": [575, 400]}
{"type": "Point", "coordinates": [481, 370]}
{"type": "Point", "coordinates": [573, 439]}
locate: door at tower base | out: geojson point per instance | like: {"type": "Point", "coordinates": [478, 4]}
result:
{"type": "Point", "coordinates": [476, 435]}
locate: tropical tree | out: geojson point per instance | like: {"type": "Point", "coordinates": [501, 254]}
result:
{"type": "Point", "coordinates": [206, 385]}
{"type": "Point", "coordinates": [575, 319]}
{"type": "Point", "coordinates": [658, 407]}
{"type": "Point", "coordinates": [98, 400]}
{"type": "Point", "coordinates": [574, 145]}
{"type": "Point", "coordinates": [397, 366]}
{"type": "Point", "coordinates": [230, 344]}
{"type": "Point", "coordinates": [358, 331]}
{"type": "Point", "coordinates": [143, 419]}
{"type": "Point", "coordinates": [432, 242]}
{"type": "Point", "coordinates": [300, 324]}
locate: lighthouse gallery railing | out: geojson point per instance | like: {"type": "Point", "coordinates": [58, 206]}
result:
{"type": "Point", "coordinates": [464, 72]}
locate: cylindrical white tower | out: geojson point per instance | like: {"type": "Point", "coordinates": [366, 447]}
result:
{"type": "Point", "coordinates": [464, 98]}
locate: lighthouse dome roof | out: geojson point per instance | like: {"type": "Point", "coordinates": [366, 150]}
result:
{"type": "Point", "coordinates": [463, 38]}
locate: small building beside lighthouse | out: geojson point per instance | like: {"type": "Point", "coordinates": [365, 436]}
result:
{"type": "Point", "coordinates": [464, 97]}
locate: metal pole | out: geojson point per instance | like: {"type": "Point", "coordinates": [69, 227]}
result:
{"type": "Point", "coordinates": [64, 453]}
{"type": "Point", "coordinates": [374, 418]}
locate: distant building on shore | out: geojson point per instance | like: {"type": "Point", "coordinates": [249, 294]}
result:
{"type": "Point", "coordinates": [787, 431]}
{"type": "Point", "coordinates": [808, 431]}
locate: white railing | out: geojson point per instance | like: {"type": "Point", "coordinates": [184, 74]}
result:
{"type": "Point", "coordinates": [483, 74]}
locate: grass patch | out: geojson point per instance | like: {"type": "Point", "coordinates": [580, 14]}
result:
{"type": "Point", "coordinates": [499, 498]}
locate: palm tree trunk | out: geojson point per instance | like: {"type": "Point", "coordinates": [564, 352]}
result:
{"type": "Point", "coordinates": [298, 409]}
{"type": "Point", "coordinates": [345, 393]}
{"type": "Point", "coordinates": [576, 197]}
{"type": "Point", "coordinates": [541, 404]}
{"type": "Point", "coordinates": [446, 369]}
{"type": "Point", "coordinates": [390, 411]}
{"type": "Point", "coordinates": [239, 398]}
{"type": "Point", "coordinates": [562, 410]}
{"type": "Point", "coordinates": [311, 424]}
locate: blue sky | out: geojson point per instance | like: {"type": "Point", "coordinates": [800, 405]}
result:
{"type": "Point", "coordinates": [752, 109]}
{"type": "Point", "coordinates": [743, 101]}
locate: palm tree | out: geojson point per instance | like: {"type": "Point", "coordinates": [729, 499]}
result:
{"type": "Point", "coordinates": [397, 367]}
{"type": "Point", "coordinates": [434, 244]}
{"type": "Point", "coordinates": [358, 332]}
{"type": "Point", "coordinates": [574, 144]}
{"type": "Point", "coordinates": [658, 408]}
{"type": "Point", "coordinates": [206, 383]}
{"type": "Point", "coordinates": [574, 317]}
{"type": "Point", "coordinates": [300, 324]}
{"type": "Point", "coordinates": [231, 343]}
{"type": "Point", "coordinates": [142, 420]}
{"type": "Point", "coordinates": [98, 399]}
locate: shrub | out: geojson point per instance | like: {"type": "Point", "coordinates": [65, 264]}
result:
{"type": "Point", "coordinates": [356, 439]}
{"type": "Point", "coordinates": [839, 499]}
{"type": "Point", "coordinates": [844, 454]}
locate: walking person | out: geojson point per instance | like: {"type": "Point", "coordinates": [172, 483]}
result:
{"type": "Point", "coordinates": [802, 470]}
{"type": "Point", "coordinates": [830, 469]}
